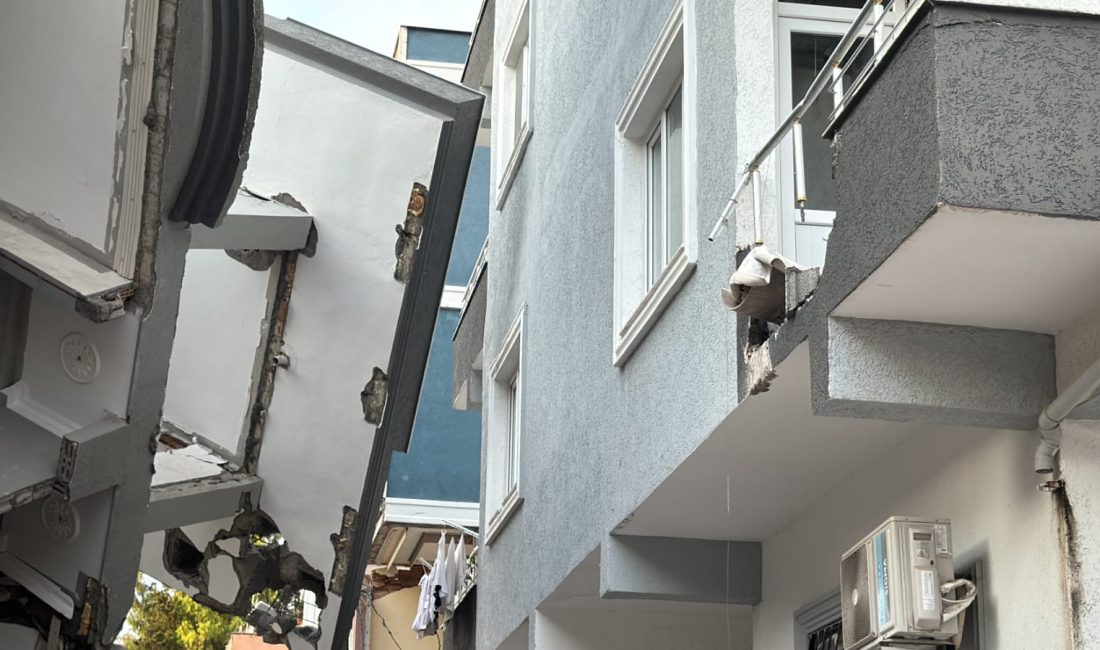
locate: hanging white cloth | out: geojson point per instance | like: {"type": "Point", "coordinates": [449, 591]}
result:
{"type": "Point", "coordinates": [423, 624]}
{"type": "Point", "coordinates": [458, 573]}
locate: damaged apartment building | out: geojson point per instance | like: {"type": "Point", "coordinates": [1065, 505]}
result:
{"type": "Point", "coordinates": [122, 125]}
{"type": "Point", "coordinates": [316, 304]}
{"type": "Point", "coordinates": [198, 355]}
{"type": "Point", "coordinates": [763, 275]}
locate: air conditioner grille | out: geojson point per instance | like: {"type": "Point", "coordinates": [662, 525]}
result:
{"type": "Point", "coordinates": [856, 597]}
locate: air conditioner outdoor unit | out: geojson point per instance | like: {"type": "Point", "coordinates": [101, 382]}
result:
{"type": "Point", "coordinates": [898, 585]}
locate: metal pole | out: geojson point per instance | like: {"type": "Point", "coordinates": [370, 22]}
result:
{"type": "Point", "coordinates": [799, 170]}
{"type": "Point", "coordinates": [757, 227]}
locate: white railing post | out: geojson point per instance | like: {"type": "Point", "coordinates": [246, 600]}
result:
{"type": "Point", "coordinates": [757, 223]}
{"type": "Point", "coordinates": [799, 170]}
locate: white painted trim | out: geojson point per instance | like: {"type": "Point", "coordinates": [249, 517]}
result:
{"type": "Point", "coordinates": [510, 345]}
{"type": "Point", "coordinates": [672, 63]}
{"type": "Point", "coordinates": [519, 34]}
{"type": "Point", "coordinates": [509, 364]}
{"type": "Point", "coordinates": [38, 584]}
{"type": "Point", "coordinates": [514, 161]}
{"type": "Point", "coordinates": [503, 515]}
{"type": "Point", "coordinates": [636, 114]}
{"type": "Point", "coordinates": [433, 64]}
{"type": "Point", "coordinates": [452, 297]}
{"type": "Point", "coordinates": [427, 512]}
{"type": "Point", "coordinates": [643, 318]}
{"type": "Point", "coordinates": [20, 402]}
{"type": "Point", "coordinates": [142, 31]}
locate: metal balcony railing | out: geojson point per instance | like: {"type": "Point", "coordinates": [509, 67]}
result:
{"type": "Point", "coordinates": [872, 21]}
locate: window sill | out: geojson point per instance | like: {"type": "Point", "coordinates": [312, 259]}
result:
{"type": "Point", "coordinates": [639, 323]}
{"type": "Point", "coordinates": [499, 520]}
{"type": "Point", "coordinates": [512, 168]}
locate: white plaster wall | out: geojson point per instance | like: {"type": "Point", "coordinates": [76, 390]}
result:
{"type": "Point", "coordinates": [598, 628]}
{"type": "Point", "coordinates": [350, 157]}
{"type": "Point", "coordinates": [222, 322]}
{"type": "Point", "coordinates": [52, 318]}
{"type": "Point", "coordinates": [60, 65]}
{"type": "Point", "coordinates": [983, 482]}
{"type": "Point", "coordinates": [62, 561]}
{"type": "Point", "coordinates": [398, 609]}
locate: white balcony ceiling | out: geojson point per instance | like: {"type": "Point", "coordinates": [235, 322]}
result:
{"type": "Point", "coordinates": [986, 268]}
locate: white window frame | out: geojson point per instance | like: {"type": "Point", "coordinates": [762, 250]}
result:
{"type": "Point", "coordinates": [513, 105]}
{"type": "Point", "coordinates": [794, 17]}
{"type": "Point", "coordinates": [505, 430]}
{"type": "Point", "coordinates": [640, 300]}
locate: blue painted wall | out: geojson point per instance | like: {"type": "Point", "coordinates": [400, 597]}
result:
{"type": "Point", "coordinates": [473, 220]}
{"type": "Point", "coordinates": [444, 458]}
{"type": "Point", "coordinates": [437, 45]}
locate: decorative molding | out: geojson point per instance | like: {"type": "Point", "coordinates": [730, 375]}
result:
{"type": "Point", "coordinates": [20, 401]}
{"type": "Point", "coordinates": [643, 318]}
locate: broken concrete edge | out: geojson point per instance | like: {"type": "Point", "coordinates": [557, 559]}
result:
{"type": "Point", "coordinates": [264, 562]}
{"type": "Point", "coordinates": [264, 387]}
{"type": "Point", "coordinates": [341, 544]}
{"type": "Point", "coordinates": [192, 502]}
{"type": "Point", "coordinates": [408, 233]}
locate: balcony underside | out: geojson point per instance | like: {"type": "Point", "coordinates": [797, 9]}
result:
{"type": "Point", "coordinates": [30, 456]}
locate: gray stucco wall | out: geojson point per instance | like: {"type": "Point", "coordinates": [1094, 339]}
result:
{"type": "Point", "coordinates": [597, 439]}
{"type": "Point", "coordinates": [980, 107]}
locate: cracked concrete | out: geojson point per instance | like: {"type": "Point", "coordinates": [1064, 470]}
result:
{"type": "Point", "coordinates": [262, 562]}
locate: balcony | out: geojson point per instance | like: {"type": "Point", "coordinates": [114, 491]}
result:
{"type": "Point", "coordinates": [967, 222]}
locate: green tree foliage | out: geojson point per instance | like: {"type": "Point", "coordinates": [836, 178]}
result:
{"type": "Point", "coordinates": [166, 619]}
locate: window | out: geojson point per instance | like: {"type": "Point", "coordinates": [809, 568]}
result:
{"type": "Point", "coordinates": [513, 108]}
{"type": "Point", "coordinates": [505, 432]}
{"type": "Point", "coordinates": [808, 34]}
{"type": "Point", "coordinates": [656, 231]}
{"type": "Point", "coordinates": [665, 212]}
{"type": "Point", "coordinates": [827, 637]}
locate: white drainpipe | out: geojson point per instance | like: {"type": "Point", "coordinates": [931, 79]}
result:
{"type": "Point", "coordinates": [1050, 420]}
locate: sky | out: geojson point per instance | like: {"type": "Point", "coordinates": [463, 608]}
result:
{"type": "Point", "coordinates": [374, 23]}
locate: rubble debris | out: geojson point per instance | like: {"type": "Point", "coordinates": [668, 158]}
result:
{"type": "Point", "coordinates": [408, 234]}
{"type": "Point", "coordinates": [374, 397]}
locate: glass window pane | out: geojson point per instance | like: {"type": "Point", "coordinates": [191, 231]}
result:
{"type": "Point", "coordinates": [809, 54]}
{"type": "Point", "coordinates": [675, 169]}
{"type": "Point", "coordinates": [655, 222]}
{"type": "Point", "coordinates": [521, 84]}
{"type": "Point", "coordinates": [513, 434]}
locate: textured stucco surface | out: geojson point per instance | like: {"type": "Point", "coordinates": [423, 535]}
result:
{"type": "Point", "coordinates": [589, 425]}
{"type": "Point", "coordinates": [1020, 136]}
{"type": "Point", "coordinates": [905, 371]}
